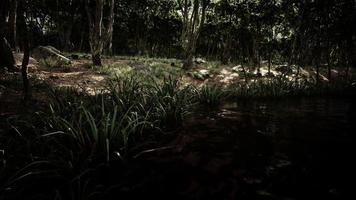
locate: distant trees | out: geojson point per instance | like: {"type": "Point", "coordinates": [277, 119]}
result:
{"type": "Point", "coordinates": [100, 33]}
{"type": "Point", "coordinates": [303, 33]}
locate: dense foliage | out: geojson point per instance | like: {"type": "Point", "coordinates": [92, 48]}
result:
{"type": "Point", "coordinates": [301, 32]}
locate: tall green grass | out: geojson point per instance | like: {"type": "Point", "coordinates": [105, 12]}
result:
{"type": "Point", "coordinates": [211, 95]}
{"type": "Point", "coordinates": [111, 122]}
{"type": "Point", "coordinates": [282, 87]}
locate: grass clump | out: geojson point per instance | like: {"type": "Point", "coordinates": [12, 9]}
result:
{"type": "Point", "coordinates": [111, 123]}
{"type": "Point", "coordinates": [282, 87]}
{"type": "Point", "coordinates": [170, 102]}
{"type": "Point", "coordinates": [211, 95]}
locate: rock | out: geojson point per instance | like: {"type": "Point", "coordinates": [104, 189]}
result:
{"type": "Point", "coordinates": [235, 75]}
{"type": "Point", "coordinates": [32, 68]}
{"type": "Point", "coordinates": [45, 52]}
{"type": "Point", "coordinates": [304, 73]}
{"type": "Point", "coordinates": [227, 80]}
{"type": "Point", "coordinates": [238, 68]}
{"type": "Point", "coordinates": [19, 57]}
{"type": "Point", "coordinates": [54, 49]}
{"type": "Point", "coordinates": [225, 72]}
{"type": "Point", "coordinates": [204, 73]}
{"type": "Point", "coordinates": [199, 61]}
{"type": "Point", "coordinates": [201, 74]}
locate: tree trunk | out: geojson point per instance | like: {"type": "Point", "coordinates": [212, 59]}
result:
{"type": "Point", "coordinates": [12, 25]}
{"type": "Point", "coordinates": [6, 57]}
{"type": "Point", "coordinates": [225, 59]}
{"type": "Point", "coordinates": [109, 51]}
{"type": "Point", "coordinates": [188, 62]}
{"type": "Point", "coordinates": [244, 71]}
{"type": "Point", "coordinates": [193, 19]}
{"type": "Point", "coordinates": [65, 35]}
{"type": "Point", "coordinates": [269, 62]}
{"type": "Point", "coordinates": [96, 58]}
{"type": "Point", "coordinates": [3, 15]}
{"type": "Point", "coordinates": [317, 73]}
{"type": "Point", "coordinates": [329, 69]}
{"type": "Point", "coordinates": [81, 40]}
{"type": "Point", "coordinates": [99, 34]}
{"type": "Point", "coordinates": [26, 57]}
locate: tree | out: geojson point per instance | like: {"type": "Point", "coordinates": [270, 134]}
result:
{"type": "Point", "coordinates": [26, 43]}
{"type": "Point", "coordinates": [6, 58]}
{"type": "Point", "coordinates": [193, 13]}
{"type": "Point", "coordinates": [99, 33]}
{"type": "Point", "coordinates": [6, 55]}
{"type": "Point", "coordinates": [12, 24]}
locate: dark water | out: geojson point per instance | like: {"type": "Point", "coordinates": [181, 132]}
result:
{"type": "Point", "coordinates": [291, 149]}
{"type": "Point", "coordinates": [305, 147]}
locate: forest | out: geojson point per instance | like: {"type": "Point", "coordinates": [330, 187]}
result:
{"type": "Point", "coordinates": [177, 99]}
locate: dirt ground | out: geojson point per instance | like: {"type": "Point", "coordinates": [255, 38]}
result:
{"type": "Point", "coordinates": [11, 96]}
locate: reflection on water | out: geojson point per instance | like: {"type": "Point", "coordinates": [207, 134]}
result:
{"type": "Point", "coordinates": [293, 149]}
{"type": "Point", "coordinates": [290, 149]}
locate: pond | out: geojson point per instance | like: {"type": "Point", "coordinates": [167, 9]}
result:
{"type": "Point", "coordinates": [290, 149]}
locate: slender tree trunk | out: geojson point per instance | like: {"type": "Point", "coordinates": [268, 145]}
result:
{"type": "Point", "coordinates": [188, 62]}
{"type": "Point", "coordinates": [226, 52]}
{"type": "Point", "coordinates": [350, 49]}
{"type": "Point", "coordinates": [6, 57]}
{"type": "Point", "coordinates": [26, 57]}
{"type": "Point", "coordinates": [96, 58]}
{"type": "Point", "coordinates": [329, 68]}
{"type": "Point", "coordinates": [99, 34]}
{"type": "Point", "coordinates": [244, 71]}
{"type": "Point", "coordinates": [317, 73]}
{"type": "Point", "coordinates": [12, 25]}
{"type": "Point", "coordinates": [317, 60]}
{"type": "Point", "coordinates": [81, 40]}
{"type": "Point", "coordinates": [269, 63]}
{"type": "Point", "coordinates": [3, 15]}
{"type": "Point", "coordinates": [110, 52]}
{"type": "Point", "coordinates": [193, 20]}
{"type": "Point", "coordinates": [65, 36]}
